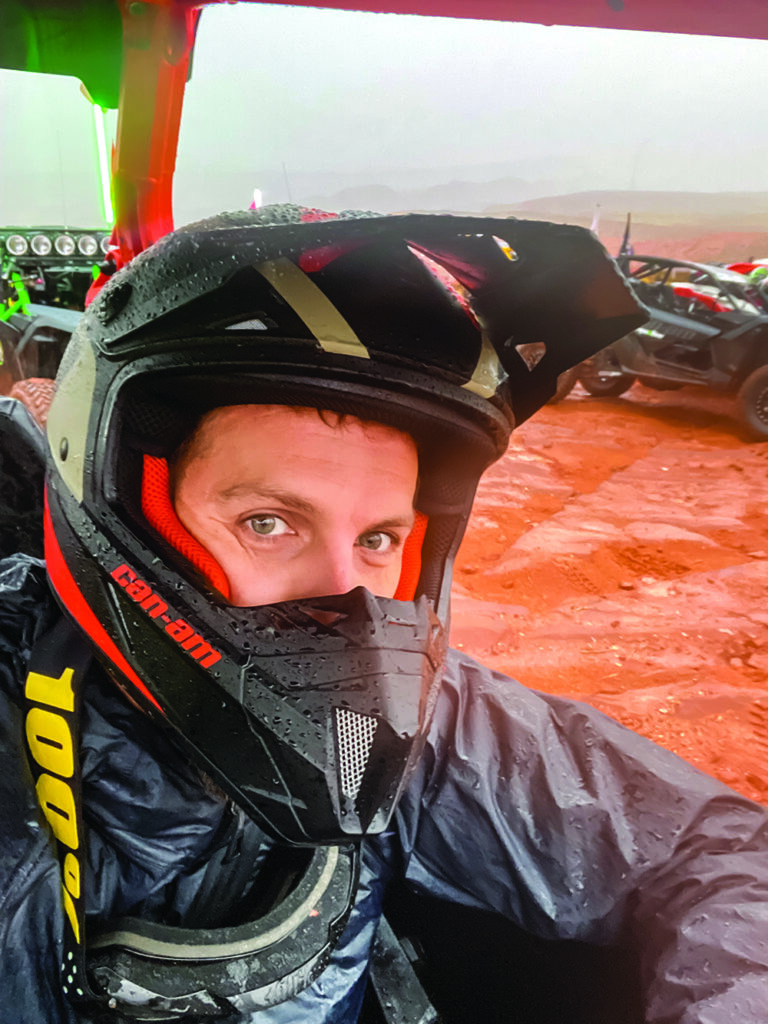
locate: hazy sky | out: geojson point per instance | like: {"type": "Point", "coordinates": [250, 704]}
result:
{"type": "Point", "coordinates": [279, 94]}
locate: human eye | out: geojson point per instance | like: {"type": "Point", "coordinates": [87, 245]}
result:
{"type": "Point", "coordinates": [268, 525]}
{"type": "Point", "coordinates": [379, 541]}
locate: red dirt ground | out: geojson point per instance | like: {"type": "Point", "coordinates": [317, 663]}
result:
{"type": "Point", "coordinates": [619, 554]}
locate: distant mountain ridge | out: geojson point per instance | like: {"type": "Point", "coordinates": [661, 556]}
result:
{"type": "Point", "coordinates": [731, 211]}
{"type": "Point", "coordinates": [455, 196]}
{"type": "Point", "coordinates": [735, 211]}
{"type": "Point", "coordinates": [693, 224]}
{"type": "Point", "coordinates": [718, 227]}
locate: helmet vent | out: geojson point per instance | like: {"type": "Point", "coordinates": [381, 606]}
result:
{"type": "Point", "coordinates": [248, 325]}
{"type": "Point", "coordinates": [354, 733]}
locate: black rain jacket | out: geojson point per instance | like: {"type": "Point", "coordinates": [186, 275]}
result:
{"type": "Point", "coordinates": [538, 808]}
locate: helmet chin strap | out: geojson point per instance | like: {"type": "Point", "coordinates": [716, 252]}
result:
{"type": "Point", "coordinates": [137, 970]}
{"type": "Point", "coordinates": [158, 508]}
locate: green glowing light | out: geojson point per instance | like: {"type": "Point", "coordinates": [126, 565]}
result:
{"type": "Point", "coordinates": [104, 174]}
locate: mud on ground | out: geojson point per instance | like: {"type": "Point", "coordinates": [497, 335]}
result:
{"type": "Point", "coordinates": [619, 554]}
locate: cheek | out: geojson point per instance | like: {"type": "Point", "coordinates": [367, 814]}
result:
{"type": "Point", "coordinates": [250, 582]}
{"type": "Point", "coordinates": [192, 514]}
{"type": "Point", "coordinates": [382, 581]}
{"type": "Point", "coordinates": [246, 594]}
{"type": "Point", "coordinates": [252, 585]}
{"type": "Point", "coordinates": [264, 576]}
{"type": "Point", "coordinates": [210, 534]}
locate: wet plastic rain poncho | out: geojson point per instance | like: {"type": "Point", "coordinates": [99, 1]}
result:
{"type": "Point", "coordinates": [536, 807]}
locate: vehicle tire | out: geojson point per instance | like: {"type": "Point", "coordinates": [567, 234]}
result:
{"type": "Point", "coordinates": [595, 381]}
{"type": "Point", "coordinates": [566, 382]}
{"type": "Point", "coordinates": [753, 403]}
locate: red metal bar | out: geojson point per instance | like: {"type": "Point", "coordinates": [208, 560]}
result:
{"type": "Point", "coordinates": [744, 18]}
{"type": "Point", "coordinates": [157, 42]}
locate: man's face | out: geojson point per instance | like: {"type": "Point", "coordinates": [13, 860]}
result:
{"type": "Point", "coordinates": [292, 506]}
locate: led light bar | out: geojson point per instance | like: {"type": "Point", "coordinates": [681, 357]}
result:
{"type": "Point", "coordinates": [55, 245]}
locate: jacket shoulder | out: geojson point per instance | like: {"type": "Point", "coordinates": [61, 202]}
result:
{"type": "Point", "coordinates": [22, 475]}
{"type": "Point", "coordinates": [27, 609]}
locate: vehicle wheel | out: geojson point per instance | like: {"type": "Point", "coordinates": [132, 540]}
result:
{"type": "Point", "coordinates": [594, 379]}
{"type": "Point", "coordinates": [753, 403]}
{"type": "Point", "coordinates": [566, 382]}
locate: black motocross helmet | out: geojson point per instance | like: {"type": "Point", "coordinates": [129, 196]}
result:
{"type": "Point", "coordinates": [452, 329]}
{"type": "Point", "coordinates": [307, 714]}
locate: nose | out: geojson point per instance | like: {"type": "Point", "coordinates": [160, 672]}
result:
{"type": "Point", "coordinates": [334, 569]}
{"type": "Point", "coordinates": [337, 572]}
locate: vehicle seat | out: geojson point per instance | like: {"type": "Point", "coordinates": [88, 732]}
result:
{"type": "Point", "coordinates": [662, 297]}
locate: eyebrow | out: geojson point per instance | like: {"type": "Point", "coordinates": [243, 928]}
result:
{"type": "Point", "coordinates": [264, 492]}
{"type": "Point", "coordinates": [394, 522]}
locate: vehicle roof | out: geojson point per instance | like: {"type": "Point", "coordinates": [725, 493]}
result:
{"type": "Point", "coordinates": [84, 37]}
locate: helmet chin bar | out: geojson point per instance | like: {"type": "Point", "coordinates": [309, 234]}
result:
{"type": "Point", "coordinates": [321, 711]}
{"type": "Point", "coordinates": [150, 972]}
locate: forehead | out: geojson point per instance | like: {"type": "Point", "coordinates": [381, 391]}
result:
{"type": "Point", "coordinates": [258, 431]}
